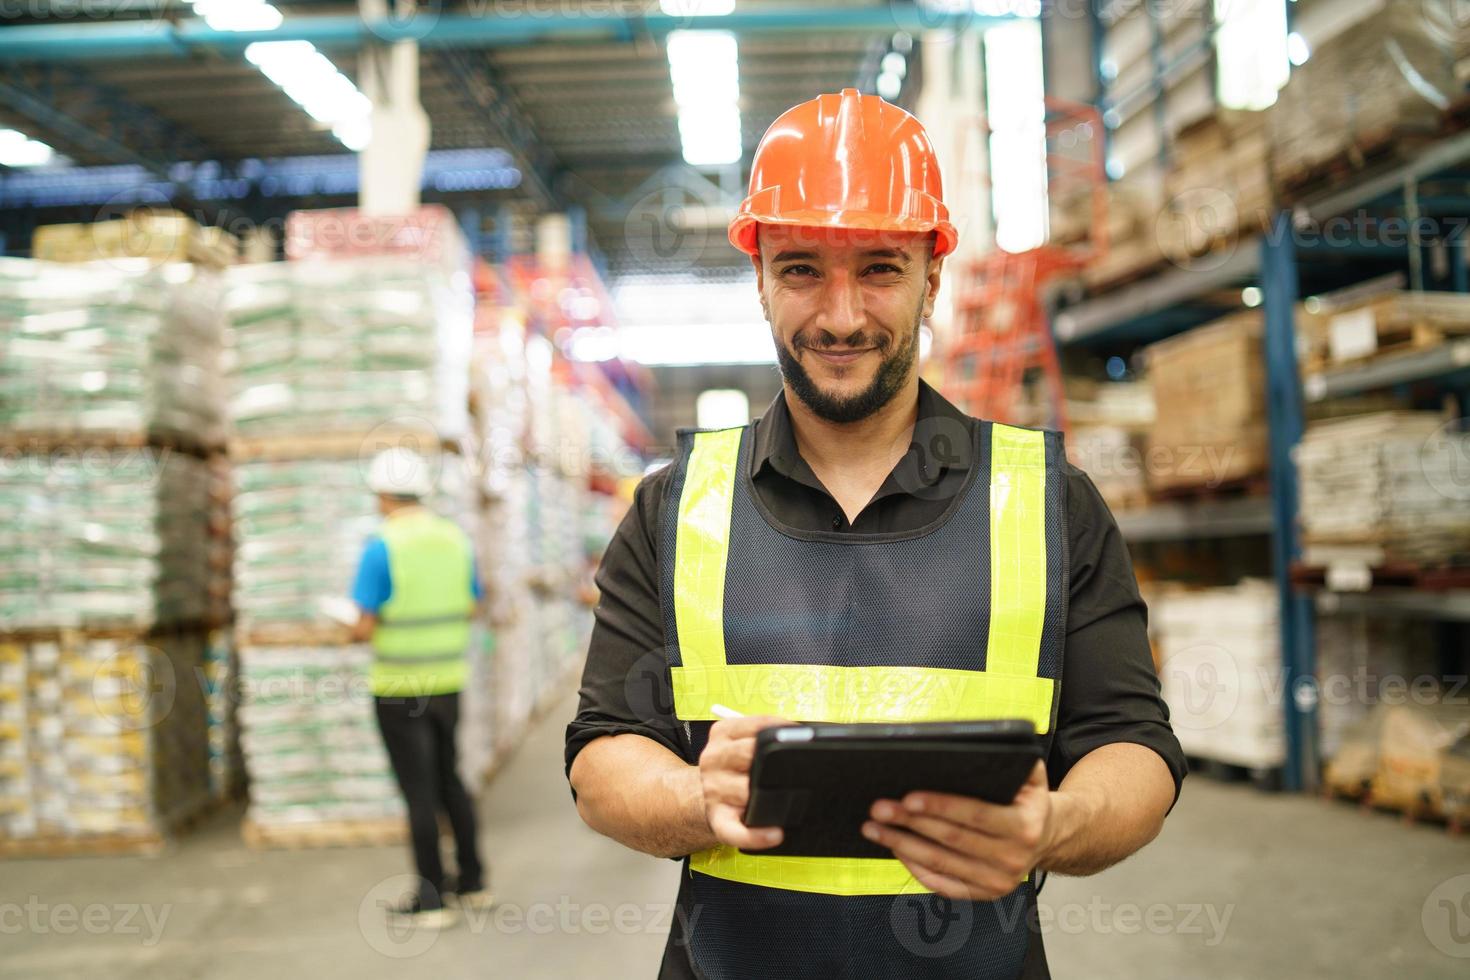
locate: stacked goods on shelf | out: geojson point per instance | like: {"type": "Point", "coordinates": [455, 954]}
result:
{"type": "Point", "coordinates": [310, 740]}
{"type": "Point", "coordinates": [1220, 668]}
{"type": "Point", "coordinates": [1109, 425]}
{"type": "Point", "coordinates": [154, 235]}
{"type": "Point", "coordinates": [1202, 442]}
{"type": "Point", "coordinates": [220, 680]}
{"type": "Point", "coordinates": [346, 346]}
{"type": "Point", "coordinates": [1363, 661]}
{"type": "Point", "coordinates": [1385, 78]}
{"type": "Point", "coordinates": [102, 739]}
{"type": "Point", "coordinates": [1383, 488]}
{"type": "Point", "coordinates": [1354, 326]}
{"type": "Point", "coordinates": [102, 537]}
{"type": "Point", "coordinates": [1135, 203]}
{"type": "Point", "coordinates": [123, 349]}
{"type": "Point", "coordinates": [358, 344]}
{"type": "Point", "coordinates": [113, 576]}
{"type": "Point", "coordinates": [1407, 756]}
{"type": "Point", "coordinates": [1219, 185]}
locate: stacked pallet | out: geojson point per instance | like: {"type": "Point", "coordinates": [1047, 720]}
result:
{"type": "Point", "coordinates": [1108, 438]}
{"type": "Point", "coordinates": [1354, 327]}
{"type": "Point", "coordinates": [1220, 669]}
{"type": "Point", "coordinates": [347, 346]}
{"type": "Point", "coordinates": [156, 235]}
{"type": "Point", "coordinates": [1206, 442]}
{"type": "Point", "coordinates": [1219, 186]}
{"type": "Point", "coordinates": [1364, 661]}
{"type": "Point", "coordinates": [109, 407]}
{"type": "Point", "coordinates": [123, 350]}
{"type": "Point", "coordinates": [357, 344]}
{"type": "Point", "coordinates": [1383, 488]}
{"type": "Point", "coordinates": [1370, 88]}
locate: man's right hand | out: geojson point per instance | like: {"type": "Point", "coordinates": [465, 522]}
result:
{"type": "Point", "coordinates": [724, 776]}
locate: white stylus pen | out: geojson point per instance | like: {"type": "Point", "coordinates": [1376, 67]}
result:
{"type": "Point", "coordinates": [720, 711]}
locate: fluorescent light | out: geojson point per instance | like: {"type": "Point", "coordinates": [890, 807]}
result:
{"type": "Point", "coordinates": [895, 64]}
{"type": "Point", "coordinates": [19, 150]}
{"type": "Point", "coordinates": [710, 134]}
{"type": "Point", "coordinates": [747, 342]}
{"type": "Point", "coordinates": [697, 8]}
{"type": "Point", "coordinates": [704, 67]}
{"type": "Point", "coordinates": [889, 86]}
{"type": "Point", "coordinates": [307, 76]}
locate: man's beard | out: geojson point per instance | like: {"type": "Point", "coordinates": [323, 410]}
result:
{"type": "Point", "coordinates": [887, 382]}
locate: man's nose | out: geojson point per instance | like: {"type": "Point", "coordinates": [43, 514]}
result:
{"type": "Point", "coordinates": [842, 313]}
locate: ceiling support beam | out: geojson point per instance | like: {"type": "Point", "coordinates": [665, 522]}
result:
{"type": "Point", "coordinates": [432, 29]}
{"type": "Point", "coordinates": [40, 92]}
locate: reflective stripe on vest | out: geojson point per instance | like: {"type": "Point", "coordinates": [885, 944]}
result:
{"type": "Point", "coordinates": [424, 627]}
{"type": "Point", "coordinates": [1009, 687]}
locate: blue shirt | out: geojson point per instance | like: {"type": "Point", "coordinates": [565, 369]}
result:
{"type": "Point", "coordinates": [374, 585]}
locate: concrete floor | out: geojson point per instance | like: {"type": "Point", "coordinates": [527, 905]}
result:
{"type": "Point", "coordinates": [1239, 885]}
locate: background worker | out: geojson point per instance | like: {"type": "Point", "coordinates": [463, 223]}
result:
{"type": "Point", "coordinates": [861, 532]}
{"type": "Point", "coordinates": [417, 587]}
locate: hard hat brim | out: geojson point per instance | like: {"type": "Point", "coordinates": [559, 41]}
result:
{"type": "Point", "coordinates": [744, 227]}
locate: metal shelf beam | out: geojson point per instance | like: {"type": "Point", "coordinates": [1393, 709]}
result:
{"type": "Point", "coordinates": [1436, 362]}
{"type": "Point", "coordinates": [433, 29]}
{"type": "Point", "coordinates": [1210, 519]}
{"type": "Point", "coordinates": [1452, 604]}
{"type": "Point", "coordinates": [1095, 318]}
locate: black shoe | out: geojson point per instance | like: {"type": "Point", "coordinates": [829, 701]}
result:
{"type": "Point", "coordinates": [413, 910]}
{"type": "Point", "coordinates": [478, 897]}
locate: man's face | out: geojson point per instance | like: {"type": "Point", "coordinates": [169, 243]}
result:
{"type": "Point", "coordinates": [844, 308]}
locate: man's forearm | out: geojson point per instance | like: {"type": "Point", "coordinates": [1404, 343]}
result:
{"type": "Point", "coordinates": [1112, 803]}
{"type": "Point", "coordinates": [640, 794]}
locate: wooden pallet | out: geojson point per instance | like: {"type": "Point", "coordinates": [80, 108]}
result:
{"type": "Point", "coordinates": [147, 844]}
{"type": "Point", "coordinates": [333, 445]}
{"type": "Point", "coordinates": [1383, 146]}
{"type": "Point", "coordinates": [85, 845]}
{"type": "Point", "coordinates": [1403, 574]}
{"type": "Point", "coordinates": [292, 634]}
{"type": "Point", "coordinates": [52, 440]}
{"type": "Point", "coordinates": [1254, 485]}
{"type": "Point", "coordinates": [335, 833]}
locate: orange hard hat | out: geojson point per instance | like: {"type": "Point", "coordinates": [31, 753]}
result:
{"type": "Point", "coordinates": [845, 161]}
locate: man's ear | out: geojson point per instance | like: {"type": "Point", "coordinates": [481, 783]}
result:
{"type": "Point", "coordinates": [760, 283]}
{"type": "Point", "coordinates": [931, 284]}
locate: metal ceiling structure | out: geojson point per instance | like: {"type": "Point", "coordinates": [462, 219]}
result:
{"type": "Point", "coordinates": [576, 91]}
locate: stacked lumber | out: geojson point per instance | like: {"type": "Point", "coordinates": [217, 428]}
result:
{"type": "Point", "coordinates": [1220, 668]}
{"type": "Point", "coordinates": [1382, 488]}
{"type": "Point", "coordinates": [1204, 442]}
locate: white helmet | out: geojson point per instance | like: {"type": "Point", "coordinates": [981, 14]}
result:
{"type": "Point", "coordinates": [400, 472]}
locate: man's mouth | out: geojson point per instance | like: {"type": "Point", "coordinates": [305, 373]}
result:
{"type": "Point", "coordinates": [841, 356]}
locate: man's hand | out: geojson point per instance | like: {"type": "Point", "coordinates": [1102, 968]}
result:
{"type": "Point", "coordinates": [724, 776]}
{"type": "Point", "coordinates": [965, 848]}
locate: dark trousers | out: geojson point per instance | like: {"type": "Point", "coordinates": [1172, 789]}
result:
{"type": "Point", "coordinates": [419, 735]}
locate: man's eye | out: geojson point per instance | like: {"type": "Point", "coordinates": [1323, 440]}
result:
{"type": "Point", "coordinates": [798, 270]}
{"type": "Point", "coordinates": [883, 268]}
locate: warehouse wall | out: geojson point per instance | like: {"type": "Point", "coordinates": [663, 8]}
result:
{"type": "Point", "coordinates": [672, 406]}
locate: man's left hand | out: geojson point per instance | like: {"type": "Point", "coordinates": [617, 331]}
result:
{"type": "Point", "coordinates": [964, 848]}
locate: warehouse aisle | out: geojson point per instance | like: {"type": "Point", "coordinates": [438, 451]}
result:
{"type": "Point", "coordinates": [571, 904]}
{"type": "Point", "coordinates": [1205, 900]}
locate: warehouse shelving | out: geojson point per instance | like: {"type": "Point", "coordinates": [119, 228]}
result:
{"type": "Point", "coordinates": [1178, 520]}
{"type": "Point", "coordinates": [1177, 299]}
{"type": "Point", "coordinates": [1450, 605]}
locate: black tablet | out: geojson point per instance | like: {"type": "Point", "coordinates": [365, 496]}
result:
{"type": "Point", "coordinates": [818, 781]}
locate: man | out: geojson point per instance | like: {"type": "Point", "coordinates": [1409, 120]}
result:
{"type": "Point", "coordinates": [861, 547]}
{"type": "Point", "coordinates": [416, 590]}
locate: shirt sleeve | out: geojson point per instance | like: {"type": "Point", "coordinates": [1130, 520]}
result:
{"type": "Point", "coordinates": [626, 686]}
{"type": "Point", "coordinates": [373, 586]}
{"type": "Point", "coordinates": [1110, 688]}
{"type": "Point", "coordinates": [477, 587]}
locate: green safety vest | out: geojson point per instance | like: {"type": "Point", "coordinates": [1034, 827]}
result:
{"type": "Point", "coordinates": [424, 628]}
{"type": "Point", "coordinates": [710, 493]}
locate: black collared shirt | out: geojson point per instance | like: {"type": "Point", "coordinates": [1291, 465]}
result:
{"type": "Point", "coordinates": [1109, 693]}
